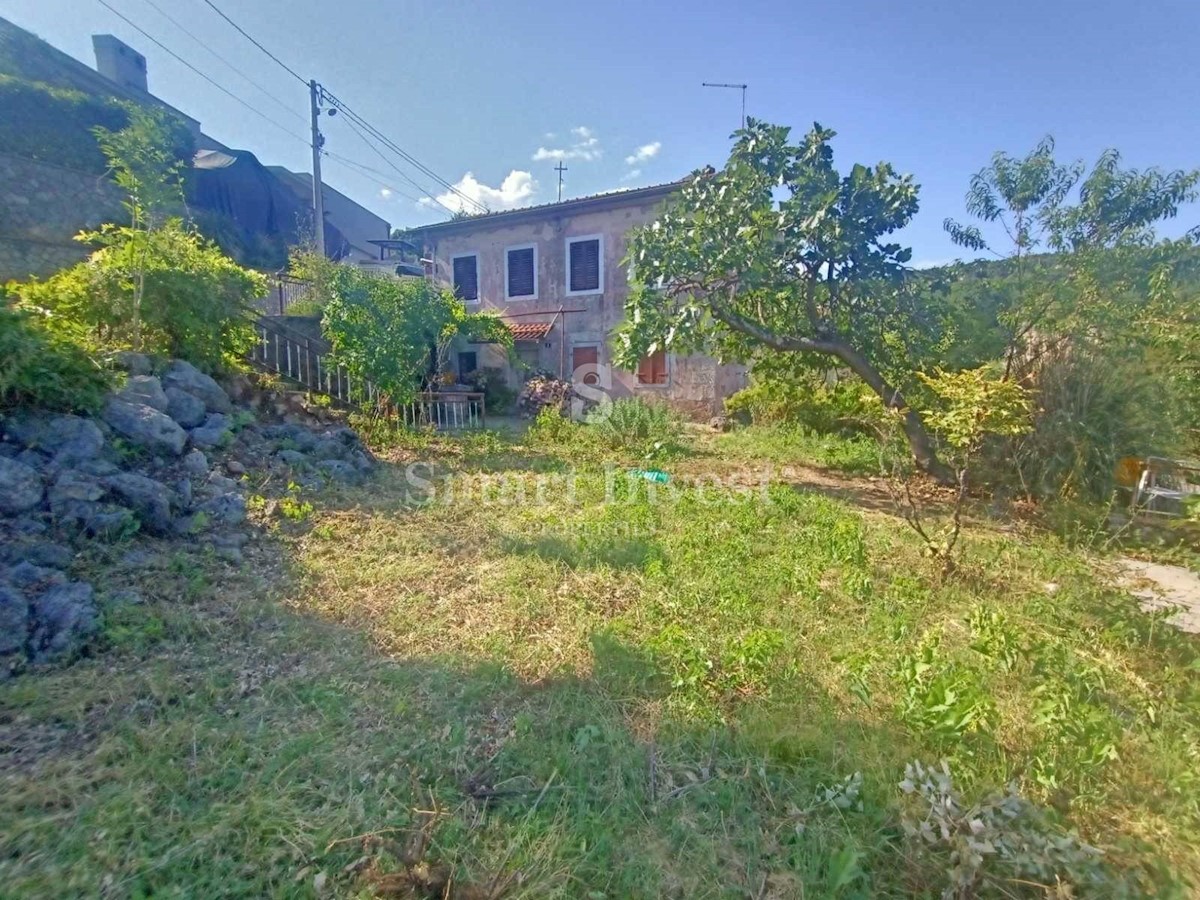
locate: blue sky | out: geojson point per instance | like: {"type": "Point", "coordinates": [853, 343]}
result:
{"type": "Point", "coordinates": [934, 86]}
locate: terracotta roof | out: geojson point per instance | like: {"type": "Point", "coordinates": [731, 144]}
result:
{"type": "Point", "coordinates": [528, 331]}
{"type": "Point", "coordinates": [465, 223]}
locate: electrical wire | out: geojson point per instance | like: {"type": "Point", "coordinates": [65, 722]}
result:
{"type": "Point", "coordinates": [202, 74]}
{"type": "Point", "coordinates": [290, 110]}
{"type": "Point", "coordinates": [401, 173]}
{"type": "Point", "coordinates": [247, 36]}
{"type": "Point", "coordinates": [391, 145]}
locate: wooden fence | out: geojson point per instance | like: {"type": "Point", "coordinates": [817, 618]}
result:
{"type": "Point", "coordinates": [305, 360]}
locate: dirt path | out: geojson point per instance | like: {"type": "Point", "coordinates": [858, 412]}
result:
{"type": "Point", "coordinates": [1160, 586]}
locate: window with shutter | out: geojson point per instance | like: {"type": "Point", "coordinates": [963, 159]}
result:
{"type": "Point", "coordinates": [520, 270]}
{"type": "Point", "coordinates": [585, 272]}
{"type": "Point", "coordinates": [653, 369]}
{"type": "Point", "coordinates": [466, 277]}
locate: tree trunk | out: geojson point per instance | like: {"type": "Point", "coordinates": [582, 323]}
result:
{"type": "Point", "coordinates": [914, 428]}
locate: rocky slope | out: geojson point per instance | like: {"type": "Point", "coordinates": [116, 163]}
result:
{"type": "Point", "coordinates": [170, 455]}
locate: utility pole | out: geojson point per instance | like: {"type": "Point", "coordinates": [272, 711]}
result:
{"type": "Point", "coordinates": [560, 168]}
{"type": "Point", "coordinates": [314, 96]}
{"type": "Point", "coordinates": [741, 87]}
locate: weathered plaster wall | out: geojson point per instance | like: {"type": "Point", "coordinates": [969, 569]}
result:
{"type": "Point", "coordinates": [42, 208]}
{"type": "Point", "coordinates": [697, 385]}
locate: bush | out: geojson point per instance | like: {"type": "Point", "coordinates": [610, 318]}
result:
{"type": "Point", "coordinates": [634, 424]}
{"type": "Point", "coordinates": [1093, 410]}
{"type": "Point", "coordinates": [44, 367]}
{"type": "Point", "coordinates": [498, 397]}
{"type": "Point", "coordinates": [844, 407]}
{"type": "Point", "coordinates": [193, 305]}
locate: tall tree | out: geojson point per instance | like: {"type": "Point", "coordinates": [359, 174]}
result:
{"type": "Point", "coordinates": [779, 252]}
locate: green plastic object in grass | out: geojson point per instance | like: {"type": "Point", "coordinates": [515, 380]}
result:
{"type": "Point", "coordinates": [656, 475]}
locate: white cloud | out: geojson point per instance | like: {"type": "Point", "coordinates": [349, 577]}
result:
{"type": "Point", "coordinates": [643, 153]}
{"type": "Point", "coordinates": [631, 174]}
{"type": "Point", "coordinates": [585, 147]}
{"type": "Point", "coordinates": [385, 193]}
{"type": "Point", "coordinates": [515, 190]}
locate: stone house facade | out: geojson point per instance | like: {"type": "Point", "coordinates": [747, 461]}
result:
{"type": "Point", "coordinates": [555, 274]}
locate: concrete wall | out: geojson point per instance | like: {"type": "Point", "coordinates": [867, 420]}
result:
{"type": "Point", "coordinates": [697, 385]}
{"type": "Point", "coordinates": [44, 206]}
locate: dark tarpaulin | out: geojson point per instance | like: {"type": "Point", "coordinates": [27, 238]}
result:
{"type": "Point", "coordinates": [237, 186]}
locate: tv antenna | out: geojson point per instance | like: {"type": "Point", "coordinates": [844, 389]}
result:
{"type": "Point", "coordinates": [740, 87]}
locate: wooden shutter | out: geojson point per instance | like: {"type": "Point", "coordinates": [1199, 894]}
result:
{"type": "Point", "coordinates": [652, 369]}
{"type": "Point", "coordinates": [585, 265]}
{"type": "Point", "coordinates": [466, 277]}
{"type": "Point", "coordinates": [522, 280]}
{"type": "Point", "coordinates": [585, 356]}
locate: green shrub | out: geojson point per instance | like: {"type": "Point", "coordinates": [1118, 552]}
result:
{"type": "Point", "coordinates": [498, 397]}
{"type": "Point", "coordinates": [632, 423]}
{"type": "Point", "coordinates": [846, 406]}
{"type": "Point", "coordinates": [41, 366]}
{"type": "Point", "coordinates": [193, 302]}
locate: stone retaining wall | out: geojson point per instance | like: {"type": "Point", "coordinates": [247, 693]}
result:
{"type": "Point", "coordinates": [44, 207]}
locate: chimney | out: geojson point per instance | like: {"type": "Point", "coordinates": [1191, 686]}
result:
{"type": "Point", "coordinates": [119, 63]}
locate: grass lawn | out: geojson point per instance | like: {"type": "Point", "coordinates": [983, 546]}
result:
{"type": "Point", "coordinates": [546, 681]}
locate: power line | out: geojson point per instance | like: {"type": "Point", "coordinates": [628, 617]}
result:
{"type": "Point", "coordinates": [421, 167]}
{"type": "Point", "coordinates": [203, 75]}
{"type": "Point", "coordinates": [381, 155]}
{"type": "Point", "coordinates": [244, 34]}
{"type": "Point", "coordinates": [368, 171]}
{"type": "Point", "coordinates": [290, 110]}
{"type": "Point", "coordinates": [391, 145]}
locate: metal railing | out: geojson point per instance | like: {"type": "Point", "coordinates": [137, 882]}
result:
{"type": "Point", "coordinates": [284, 290]}
{"type": "Point", "coordinates": [445, 410]}
{"type": "Point", "coordinates": [306, 360]}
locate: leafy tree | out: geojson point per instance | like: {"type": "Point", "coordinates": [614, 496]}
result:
{"type": "Point", "coordinates": [387, 330]}
{"type": "Point", "coordinates": [154, 284]}
{"type": "Point", "coordinates": [1093, 312]}
{"type": "Point", "coordinates": [779, 252]}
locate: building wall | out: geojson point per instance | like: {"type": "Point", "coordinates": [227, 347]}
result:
{"type": "Point", "coordinates": [44, 207]}
{"type": "Point", "coordinates": [698, 384]}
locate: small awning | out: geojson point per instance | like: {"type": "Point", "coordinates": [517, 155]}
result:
{"type": "Point", "coordinates": [529, 331]}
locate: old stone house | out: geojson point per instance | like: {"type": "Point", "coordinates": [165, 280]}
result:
{"type": "Point", "coordinates": [555, 274]}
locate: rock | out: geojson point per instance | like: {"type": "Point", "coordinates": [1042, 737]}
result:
{"type": "Point", "coordinates": [183, 493]}
{"type": "Point", "coordinates": [229, 554]}
{"type": "Point", "coordinates": [133, 363]}
{"type": "Point", "coordinates": [338, 470]}
{"type": "Point", "coordinates": [219, 484]}
{"type": "Point", "coordinates": [20, 487]}
{"type": "Point", "coordinates": [233, 467]}
{"type": "Point", "coordinates": [14, 620]}
{"type": "Point", "coordinates": [9, 450]}
{"type": "Point", "coordinates": [361, 461]}
{"type": "Point", "coordinates": [186, 409]}
{"type": "Point", "coordinates": [28, 524]}
{"type": "Point", "coordinates": [150, 500]}
{"type": "Point", "coordinates": [35, 459]}
{"type": "Point", "coordinates": [188, 378]}
{"type": "Point", "coordinates": [73, 486]}
{"type": "Point", "coordinates": [215, 432]}
{"type": "Point", "coordinates": [64, 617]}
{"type": "Point", "coordinates": [329, 448]}
{"type": "Point", "coordinates": [28, 577]}
{"type": "Point", "coordinates": [98, 467]}
{"type": "Point", "coordinates": [39, 553]}
{"type": "Point", "coordinates": [226, 509]}
{"type": "Point", "coordinates": [720, 423]}
{"type": "Point", "coordinates": [195, 463]}
{"type": "Point", "coordinates": [145, 389]}
{"type": "Point", "coordinates": [145, 426]}
{"type": "Point", "coordinates": [69, 439]}
{"type": "Point", "coordinates": [292, 457]}
{"type": "Point", "coordinates": [293, 437]}
{"type": "Point", "coordinates": [237, 539]}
